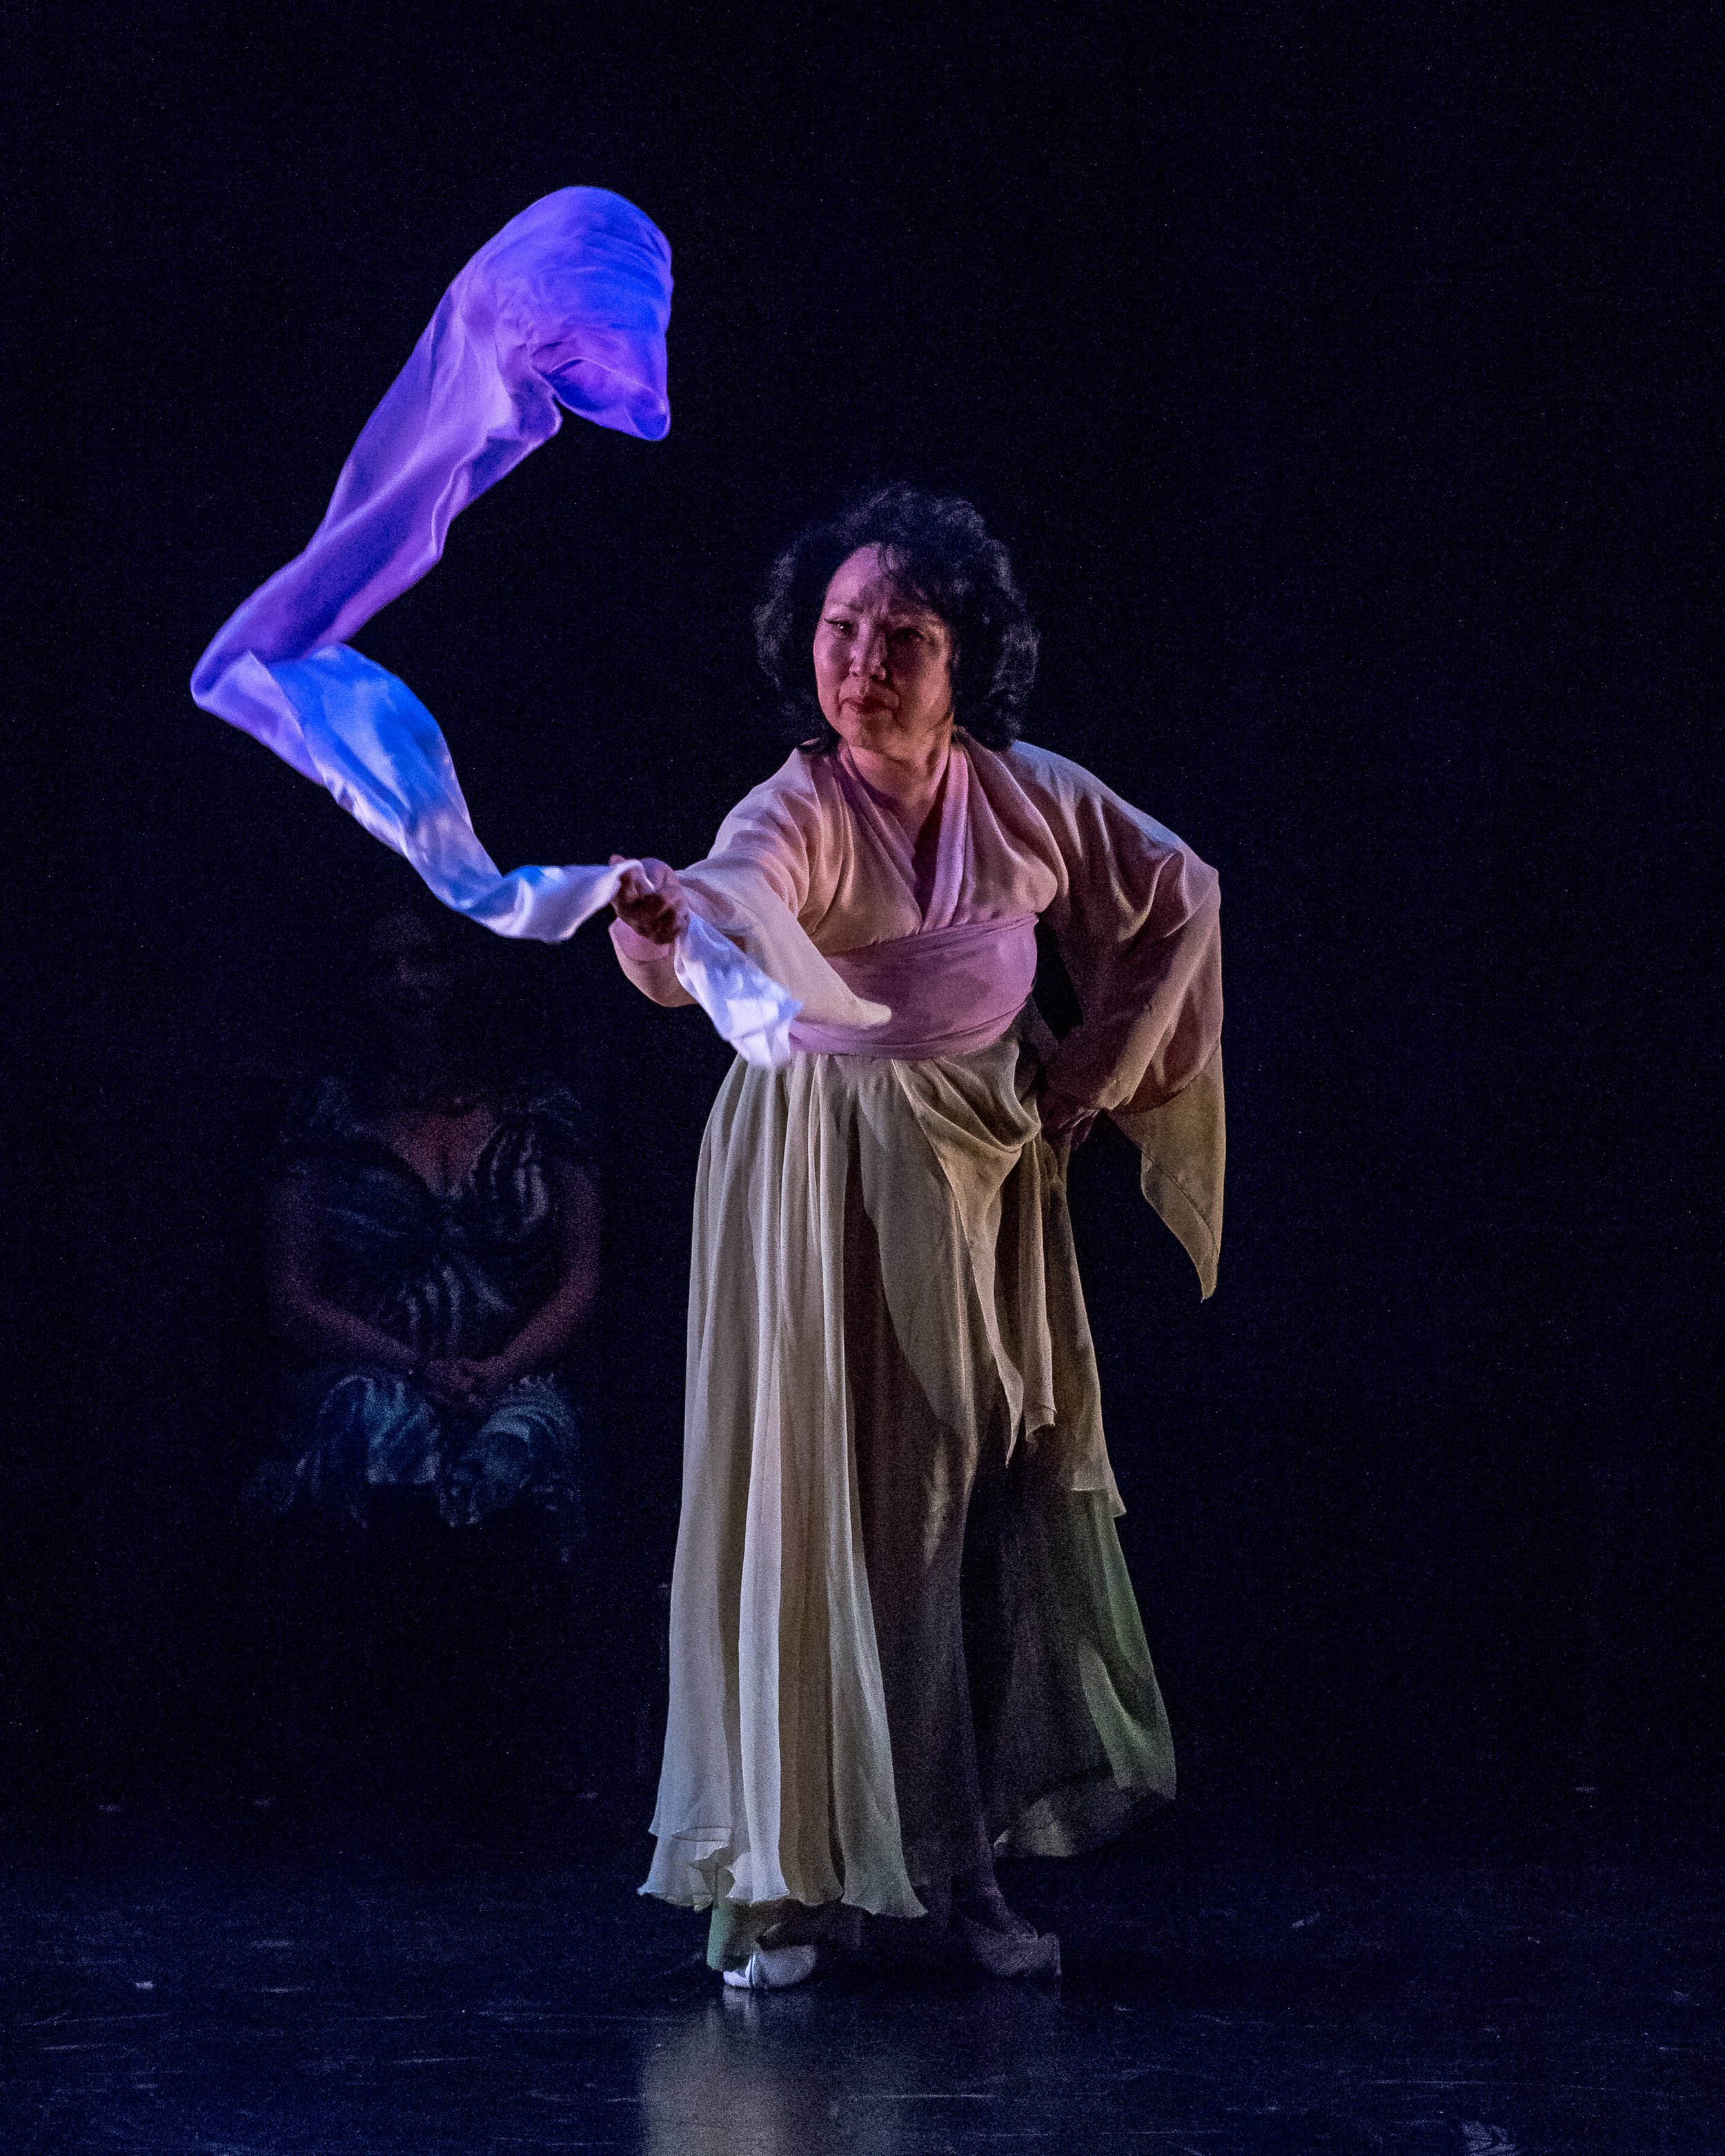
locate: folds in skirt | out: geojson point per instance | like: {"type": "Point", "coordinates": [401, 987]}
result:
{"type": "Point", "coordinates": [902, 1636]}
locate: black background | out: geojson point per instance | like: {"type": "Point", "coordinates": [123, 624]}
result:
{"type": "Point", "coordinates": [1335, 373]}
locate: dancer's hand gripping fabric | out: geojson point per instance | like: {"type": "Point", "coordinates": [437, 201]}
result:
{"type": "Point", "coordinates": [650, 899]}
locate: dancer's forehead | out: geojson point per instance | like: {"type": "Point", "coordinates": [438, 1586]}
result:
{"type": "Point", "coordinates": [865, 584]}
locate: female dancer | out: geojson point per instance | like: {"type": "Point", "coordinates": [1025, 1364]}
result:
{"type": "Point", "coordinates": [902, 1634]}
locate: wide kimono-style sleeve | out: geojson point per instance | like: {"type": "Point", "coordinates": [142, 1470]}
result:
{"type": "Point", "coordinates": [1138, 926]}
{"type": "Point", "coordinates": [771, 861]}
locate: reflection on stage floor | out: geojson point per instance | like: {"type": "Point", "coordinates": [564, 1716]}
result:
{"type": "Point", "coordinates": [195, 1985]}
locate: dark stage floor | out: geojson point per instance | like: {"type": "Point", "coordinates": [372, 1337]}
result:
{"type": "Point", "coordinates": [195, 1985]}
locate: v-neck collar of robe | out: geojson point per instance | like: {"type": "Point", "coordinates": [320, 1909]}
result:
{"type": "Point", "coordinates": [950, 817]}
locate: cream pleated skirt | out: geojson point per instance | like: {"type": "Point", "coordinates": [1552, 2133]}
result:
{"type": "Point", "coordinates": [901, 1631]}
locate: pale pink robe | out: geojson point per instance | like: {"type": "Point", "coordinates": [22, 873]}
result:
{"type": "Point", "coordinates": [778, 1776]}
{"type": "Point", "coordinates": [1135, 913]}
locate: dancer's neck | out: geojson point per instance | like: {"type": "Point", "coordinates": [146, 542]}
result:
{"type": "Point", "coordinates": [907, 782]}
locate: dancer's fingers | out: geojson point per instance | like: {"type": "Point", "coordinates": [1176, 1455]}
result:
{"type": "Point", "coordinates": [649, 916]}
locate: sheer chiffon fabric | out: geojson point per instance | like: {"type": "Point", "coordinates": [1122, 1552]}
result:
{"type": "Point", "coordinates": [565, 308]}
{"type": "Point", "coordinates": [814, 883]}
{"type": "Point", "coordinates": [902, 1634]}
{"type": "Point", "coordinates": [901, 1626]}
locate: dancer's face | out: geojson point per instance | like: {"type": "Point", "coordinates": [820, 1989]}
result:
{"type": "Point", "coordinates": [883, 662]}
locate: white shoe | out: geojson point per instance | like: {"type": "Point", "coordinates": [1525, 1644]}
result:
{"type": "Point", "coordinates": [772, 1969]}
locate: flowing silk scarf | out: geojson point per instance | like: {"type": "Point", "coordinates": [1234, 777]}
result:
{"type": "Point", "coordinates": [565, 308]}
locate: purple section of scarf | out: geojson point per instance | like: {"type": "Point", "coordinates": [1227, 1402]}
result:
{"type": "Point", "coordinates": [566, 307]}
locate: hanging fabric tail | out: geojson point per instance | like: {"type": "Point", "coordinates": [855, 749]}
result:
{"type": "Point", "coordinates": [566, 307]}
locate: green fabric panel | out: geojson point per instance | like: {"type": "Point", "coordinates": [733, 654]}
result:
{"type": "Point", "coordinates": [1083, 1741]}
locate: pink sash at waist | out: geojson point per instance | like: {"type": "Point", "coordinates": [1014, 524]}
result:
{"type": "Point", "coordinates": [951, 991]}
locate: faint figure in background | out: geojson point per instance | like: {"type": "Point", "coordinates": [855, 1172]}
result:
{"type": "Point", "coordinates": [432, 1253]}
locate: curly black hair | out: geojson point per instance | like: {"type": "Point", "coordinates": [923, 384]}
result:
{"type": "Point", "coordinates": [938, 549]}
